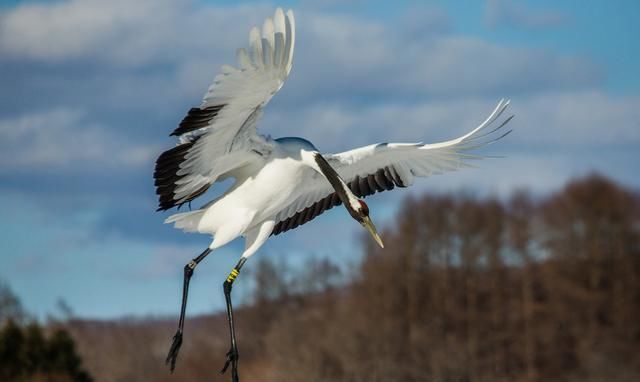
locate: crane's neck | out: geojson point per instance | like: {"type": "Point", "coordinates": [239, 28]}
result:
{"type": "Point", "coordinates": [347, 197]}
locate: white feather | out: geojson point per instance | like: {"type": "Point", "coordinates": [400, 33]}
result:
{"type": "Point", "coordinates": [242, 92]}
{"type": "Point", "coordinates": [256, 47]}
{"type": "Point", "coordinates": [407, 160]}
{"type": "Point", "coordinates": [290, 27]}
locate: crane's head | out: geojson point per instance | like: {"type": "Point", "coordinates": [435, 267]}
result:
{"type": "Point", "coordinates": [361, 214]}
{"type": "Point", "coordinates": [357, 208]}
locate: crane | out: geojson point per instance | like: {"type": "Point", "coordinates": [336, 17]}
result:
{"type": "Point", "coordinates": [281, 183]}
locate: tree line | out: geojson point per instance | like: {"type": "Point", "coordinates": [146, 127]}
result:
{"type": "Point", "coordinates": [470, 289]}
{"type": "Point", "coordinates": [29, 352]}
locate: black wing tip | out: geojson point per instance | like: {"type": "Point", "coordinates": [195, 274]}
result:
{"type": "Point", "coordinates": [168, 163]}
{"type": "Point", "coordinates": [166, 177]}
{"type": "Point", "coordinates": [167, 197]}
{"type": "Point", "coordinates": [197, 118]}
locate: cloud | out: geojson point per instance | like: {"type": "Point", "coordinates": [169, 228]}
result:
{"type": "Point", "coordinates": [68, 29]}
{"type": "Point", "coordinates": [507, 13]}
{"type": "Point", "coordinates": [353, 58]}
{"type": "Point", "coordinates": [181, 47]}
{"type": "Point", "coordinates": [121, 32]}
{"type": "Point", "coordinates": [355, 81]}
{"type": "Point", "coordinates": [465, 65]}
{"type": "Point", "coordinates": [586, 119]}
{"type": "Point", "coordinates": [63, 138]}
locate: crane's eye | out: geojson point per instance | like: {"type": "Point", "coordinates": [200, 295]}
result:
{"type": "Point", "coordinates": [364, 208]}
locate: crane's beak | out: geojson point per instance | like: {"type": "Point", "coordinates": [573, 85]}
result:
{"type": "Point", "coordinates": [368, 224]}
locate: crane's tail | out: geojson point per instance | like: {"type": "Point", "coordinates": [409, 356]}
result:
{"type": "Point", "coordinates": [186, 221]}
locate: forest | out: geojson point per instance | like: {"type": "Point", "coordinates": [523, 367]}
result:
{"type": "Point", "coordinates": [521, 288]}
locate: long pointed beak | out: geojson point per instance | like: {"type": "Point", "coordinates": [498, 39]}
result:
{"type": "Point", "coordinates": [368, 224]}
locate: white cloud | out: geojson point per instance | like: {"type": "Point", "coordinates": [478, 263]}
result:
{"type": "Point", "coordinates": [58, 30]}
{"type": "Point", "coordinates": [336, 54]}
{"type": "Point", "coordinates": [588, 119]}
{"type": "Point", "coordinates": [462, 65]}
{"type": "Point", "coordinates": [518, 15]}
{"type": "Point", "coordinates": [63, 138]}
{"type": "Point", "coordinates": [355, 81]}
{"type": "Point", "coordinates": [345, 56]}
{"type": "Point", "coordinates": [128, 33]}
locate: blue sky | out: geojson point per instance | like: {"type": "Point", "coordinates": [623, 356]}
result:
{"type": "Point", "coordinates": [91, 90]}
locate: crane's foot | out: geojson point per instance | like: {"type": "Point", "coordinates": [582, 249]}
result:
{"type": "Point", "coordinates": [232, 359]}
{"type": "Point", "coordinates": [173, 351]}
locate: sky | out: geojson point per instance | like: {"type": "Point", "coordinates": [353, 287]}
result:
{"type": "Point", "coordinates": [90, 90]}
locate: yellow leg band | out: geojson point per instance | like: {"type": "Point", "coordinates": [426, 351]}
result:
{"type": "Point", "coordinates": [232, 276]}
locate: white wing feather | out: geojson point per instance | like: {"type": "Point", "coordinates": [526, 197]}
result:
{"type": "Point", "coordinates": [417, 159]}
{"type": "Point", "coordinates": [402, 161]}
{"type": "Point", "coordinates": [228, 141]}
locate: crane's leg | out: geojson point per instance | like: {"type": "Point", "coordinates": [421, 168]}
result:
{"type": "Point", "coordinates": [232, 354]}
{"type": "Point", "coordinates": [177, 338]}
{"type": "Point", "coordinates": [254, 240]}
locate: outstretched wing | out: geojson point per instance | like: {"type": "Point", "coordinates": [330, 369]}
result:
{"type": "Point", "coordinates": [220, 136]}
{"type": "Point", "coordinates": [384, 166]}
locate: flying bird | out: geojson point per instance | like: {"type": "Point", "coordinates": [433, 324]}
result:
{"type": "Point", "coordinates": [281, 183]}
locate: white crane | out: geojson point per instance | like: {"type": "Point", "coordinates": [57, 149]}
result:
{"type": "Point", "coordinates": [279, 183]}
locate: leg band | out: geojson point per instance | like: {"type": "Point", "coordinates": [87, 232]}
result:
{"type": "Point", "coordinates": [232, 276]}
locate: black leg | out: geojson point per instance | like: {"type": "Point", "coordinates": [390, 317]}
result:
{"type": "Point", "coordinates": [177, 338]}
{"type": "Point", "coordinates": [232, 354]}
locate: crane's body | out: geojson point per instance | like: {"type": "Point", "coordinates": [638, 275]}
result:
{"type": "Point", "coordinates": [263, 188]}
{"type": "Point", "coordinates": [282, 183]}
